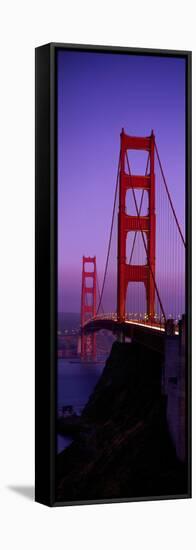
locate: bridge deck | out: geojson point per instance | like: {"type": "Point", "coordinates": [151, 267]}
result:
{"type": "Point", "coordinates": [111, 319]}
{"type": "Point", "coordinates": [147, 333]}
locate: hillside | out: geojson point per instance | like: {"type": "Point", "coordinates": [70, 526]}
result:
{"type": "Point", "coordinates": [125, 449]}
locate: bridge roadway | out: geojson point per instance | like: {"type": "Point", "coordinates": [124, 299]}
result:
{"type": "Point", "coordinates": [142, 331]}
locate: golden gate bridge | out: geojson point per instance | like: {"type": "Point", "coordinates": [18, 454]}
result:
{"type": "Point", "coordinates": [149, 256]}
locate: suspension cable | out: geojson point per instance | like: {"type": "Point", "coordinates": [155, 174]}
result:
{"type": "Point", "coordinates": [98, 289]}
{"type": "Point", "coordinates": [169, 196]}
{"type": "Point", "coordinates": [110, 237]}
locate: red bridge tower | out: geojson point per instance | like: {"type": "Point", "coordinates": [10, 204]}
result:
{"type": "Point", "coordinates": [145, 224]}
{"type": "Point", "coordinates": [88, 307]}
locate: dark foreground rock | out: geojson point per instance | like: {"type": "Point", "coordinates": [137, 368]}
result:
{"type": "Point", "coordinates": [70, 425]}
{"type": "Point", "coordinates": [124, 449]}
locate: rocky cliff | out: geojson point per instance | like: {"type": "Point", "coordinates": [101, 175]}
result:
{"type": "Point", "coordinates": [124, 449]}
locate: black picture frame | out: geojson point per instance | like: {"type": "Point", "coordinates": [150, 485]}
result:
{"type": "Point", "coordinates": [46, 261]}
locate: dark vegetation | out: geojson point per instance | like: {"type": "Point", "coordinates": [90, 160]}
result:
{"type": "Point", "coordinates": [123, 448]}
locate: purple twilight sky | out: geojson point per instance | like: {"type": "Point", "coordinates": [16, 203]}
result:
{"type": "Point", "coordinates": [98, 94]}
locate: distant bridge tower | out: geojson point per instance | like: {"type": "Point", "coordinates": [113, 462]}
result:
{"type": "Point", "coordinates": [88, 306]}
{"type": "Point", "coordinates": [146, 224]}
